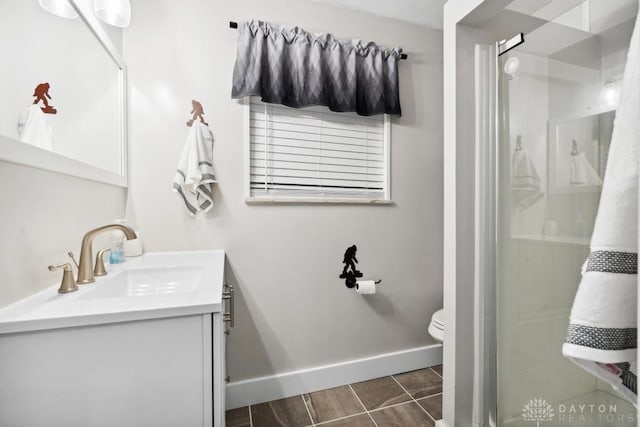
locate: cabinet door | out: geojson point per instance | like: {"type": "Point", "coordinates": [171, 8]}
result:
{"type": "Point", "coordinates": [143, 373]}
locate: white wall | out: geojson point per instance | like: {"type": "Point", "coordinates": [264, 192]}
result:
{"type": "Point", "coordinates": [44, 215]}
{"type": "Point", "coordinates": [292, 310]}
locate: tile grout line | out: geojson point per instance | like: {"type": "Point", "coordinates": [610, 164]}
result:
{"type": "Point", "coordinates": [372, 419]}
{"type": "Point", "coordinates": [413, 399]}
{"type": "Point", "coordinates": [429, 395]}
{"type": "Point", "coordinates": [404, 389]}
{"type": "Point", "coordinates": [398, 404]}
{"type": "Point", "coordinates": [435, 372]}
{"type": "Point", "coordinates": [362, 404]}
{"type": "Point", "coordinates": [358, 398]}
{"type": "Point", "coordinates": [391, 406]}
{"type": "Point", "coordinates": [341, 418]}
{"type": "Point", "coordinates": [366, 411]}
{"type": "Point", "coordinates": [423, 397]}
{"type": "Point", "coordinates": [304, 401]}
{"type": "Point", "coordinates": [425, 411]}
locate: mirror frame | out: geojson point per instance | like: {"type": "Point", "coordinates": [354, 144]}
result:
{"type": "Point", "coordinates": [14, 151]}
{"type": "Point", "coordinates": [552, 138]}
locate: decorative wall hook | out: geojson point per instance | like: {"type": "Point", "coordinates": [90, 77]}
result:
{"type": "Point", "coordinates": [574, 148]}
{"type": "Point", "coordinates": [197, 112]}
{"type": "Point", "coordinates": [41, 92]}
{"type": "Point", "coordinates": [349, 272]}
{"type": "Point", "coordinates": [518, 143]}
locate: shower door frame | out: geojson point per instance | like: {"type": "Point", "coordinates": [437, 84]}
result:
{"type": "Point", "coordinates": [487, 181]}
{"type": "Point", "coordinates": [462, 401]}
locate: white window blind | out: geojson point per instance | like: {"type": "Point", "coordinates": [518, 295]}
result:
{"type": "Point", "coordinates": [314, 153]}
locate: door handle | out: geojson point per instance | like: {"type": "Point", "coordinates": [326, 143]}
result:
{"type": "Point", "coordinates": [228, 294]}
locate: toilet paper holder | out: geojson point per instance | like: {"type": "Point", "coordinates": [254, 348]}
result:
{"type": "Point", "coordinates": [355, 282]}
{"type": "Point", "coordinates": [350, 273]}
{"type": "Point", "coordinates": [375, 282]}
{"type": "Point", "coordinates": [367, 287]}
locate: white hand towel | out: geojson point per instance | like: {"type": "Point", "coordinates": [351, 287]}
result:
{"type": "Point", "coordinates": [582, 173]}
{"type": "Point", "coordinates": [525, 180]}
{"type": "Point", "coordinates": [195, 175]}
{"type": "Point", "coordinates": [34, 129]}
{"type": "Point", "coordinates": [602, 333]}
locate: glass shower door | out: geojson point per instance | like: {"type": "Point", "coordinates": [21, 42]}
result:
{"type": "Point", "coordinates": [556, 105]}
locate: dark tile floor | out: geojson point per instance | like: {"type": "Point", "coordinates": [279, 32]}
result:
{"type": "Point", "coordinates": [411, 399]}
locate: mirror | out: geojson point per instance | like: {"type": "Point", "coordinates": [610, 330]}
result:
{"type": "Point", "coordinates": [63, 92]}
{"type": "Point", "coordinates": [578, 149]}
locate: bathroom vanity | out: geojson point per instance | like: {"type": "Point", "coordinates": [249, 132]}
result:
{"type": "Point", "coordinates": [142, 346]}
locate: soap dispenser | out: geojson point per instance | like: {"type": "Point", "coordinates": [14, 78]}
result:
{"type": "Point", "coordinates": [116, 255]}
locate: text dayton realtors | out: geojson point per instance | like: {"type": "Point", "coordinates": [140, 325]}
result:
{"type": "Point", "coordinates": [591, 412]}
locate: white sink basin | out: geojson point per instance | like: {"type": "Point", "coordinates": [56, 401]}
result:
{"type": "Point", "coordinates": [154, 285]}
{"type": "Point", "coordinates": [144, 282]}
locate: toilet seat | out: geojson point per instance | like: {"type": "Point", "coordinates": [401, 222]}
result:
{"type": "Point", "coordinates": [436, 326]}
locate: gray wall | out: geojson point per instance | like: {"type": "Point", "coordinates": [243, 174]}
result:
{"type": "Point", "coordinates": [292, 310]}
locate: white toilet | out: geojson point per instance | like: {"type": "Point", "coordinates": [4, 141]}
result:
{"type": "Point", "coordinates": [436, 326]}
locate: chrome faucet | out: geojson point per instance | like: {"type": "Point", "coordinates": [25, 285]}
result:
{"type": "Point", "coordinates": [85, 267]}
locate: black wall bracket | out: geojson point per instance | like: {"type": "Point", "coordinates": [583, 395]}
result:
{"type": "Point", "coordinates": [350, 273]}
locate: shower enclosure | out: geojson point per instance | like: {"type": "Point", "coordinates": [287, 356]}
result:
{"type": "Point", "coordinates": [544, 112]}
{"type": "Point", "coordinates": [556, 100]}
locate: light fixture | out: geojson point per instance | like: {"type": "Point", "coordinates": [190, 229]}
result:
{"type": "Point", "coordinates": [511, 66]}
{"type": "Point", "coordinates": [113, 12]}
{"type": "Point", "coordinates": [610, 93]}
{"type": "Point", "coordinates": [60, 8]}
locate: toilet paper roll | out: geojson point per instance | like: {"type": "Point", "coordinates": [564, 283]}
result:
{"type": "Point", "coordinates": [366, 287]}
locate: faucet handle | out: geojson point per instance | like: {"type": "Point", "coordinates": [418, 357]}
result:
{"type": "Point", "coordinates": [99, 269]}
{"type": "Point", "coordinates": [68, 283]}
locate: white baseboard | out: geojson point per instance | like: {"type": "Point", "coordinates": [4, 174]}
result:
{"type": "Point", "coordinates": [264, 389]}
{"type": "Point", "coordinates": [440, 423]}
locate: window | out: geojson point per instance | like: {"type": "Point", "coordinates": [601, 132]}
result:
{"type": "Point", "coordinates": [315, 155]}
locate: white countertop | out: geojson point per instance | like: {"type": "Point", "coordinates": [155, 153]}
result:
{"type": "Point", "coordinates": [154, 285]}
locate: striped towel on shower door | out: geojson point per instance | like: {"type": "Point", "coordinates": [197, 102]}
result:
{"type": "Point", "coordinates": [602, 333]}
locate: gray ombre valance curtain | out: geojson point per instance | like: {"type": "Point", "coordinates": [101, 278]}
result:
{"type": "Point", "coordinates": [295, 68]}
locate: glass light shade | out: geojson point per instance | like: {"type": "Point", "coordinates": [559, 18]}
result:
{"type": "Point", "coordinates": [610, 94]}
{"type": "Point", "coordinates": [511, 66]}
{"type": "Point", "coordinates": [113, 12]}
{"type": "Point", "coordinates": [60, 8]}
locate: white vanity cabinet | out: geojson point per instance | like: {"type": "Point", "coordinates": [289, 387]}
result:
{"type": "Point", "coordinates": [161, 367]}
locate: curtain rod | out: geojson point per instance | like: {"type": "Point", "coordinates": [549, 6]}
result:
{"type": "Point", "coordinates": [234, 25]}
